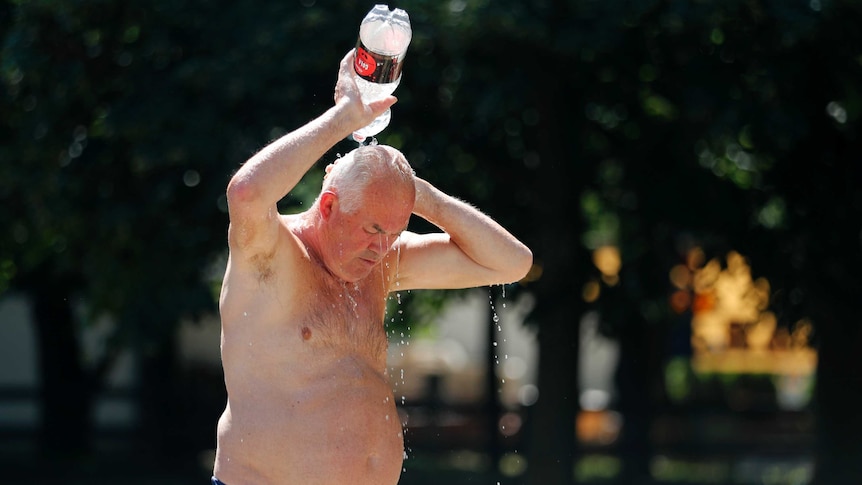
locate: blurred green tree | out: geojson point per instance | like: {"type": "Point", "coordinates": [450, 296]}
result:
{"type": "Point", "coordinates": [648, 125]}
{"type": "Point", "coordinates": [655, 126]}
{"type": "Point", "coordinates": [122, 125]}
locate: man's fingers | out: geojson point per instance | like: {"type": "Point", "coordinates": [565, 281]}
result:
{"type": "Point", "coordinates": [347, 61]}
{"type": "Point", "coordinates": [378, 107]}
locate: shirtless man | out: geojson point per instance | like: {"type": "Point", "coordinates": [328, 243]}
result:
{"type": "Point", "coordinates": [303, 301]}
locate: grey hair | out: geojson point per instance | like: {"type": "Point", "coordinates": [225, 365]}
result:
{"type": "Point", "coordinates": [355, 171]}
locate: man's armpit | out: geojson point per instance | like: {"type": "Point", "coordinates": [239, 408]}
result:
{"type": "Point", "coordinates": [263, 266]}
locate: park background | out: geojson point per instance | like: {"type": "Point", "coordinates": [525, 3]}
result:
{"type": "Point", "coordinates": [687, 174]}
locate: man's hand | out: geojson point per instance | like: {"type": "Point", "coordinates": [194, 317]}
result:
{"type": "Point", "coordinates": [474, 251]}
{"type": "Point", "coordinates": [347, 95]}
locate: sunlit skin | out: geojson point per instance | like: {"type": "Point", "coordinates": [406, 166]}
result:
{"type": "Point", "coordinates": [304, 296]}
{"type": "Point", "coordinates": [358, 242]}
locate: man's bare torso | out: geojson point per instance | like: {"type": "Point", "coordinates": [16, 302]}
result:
{"type": "Point", "coordinates": [305, 369]}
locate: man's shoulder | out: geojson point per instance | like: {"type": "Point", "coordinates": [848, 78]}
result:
{"type": "Point", "coordinates": [287, 251]}
{"type": "Point", "coordinates": [293, 222]}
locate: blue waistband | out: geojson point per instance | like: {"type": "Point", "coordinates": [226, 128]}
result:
{"type": "Point", "coordinates": [216, 481]}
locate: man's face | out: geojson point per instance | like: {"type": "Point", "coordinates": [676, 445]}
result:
{"type": "Point", "coordinates": [360, 241]}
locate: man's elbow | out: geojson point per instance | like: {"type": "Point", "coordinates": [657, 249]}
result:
{"type": "Point", "coordinates": [520, 263]}
{"type": "Point", "coordinates": [241, 192]}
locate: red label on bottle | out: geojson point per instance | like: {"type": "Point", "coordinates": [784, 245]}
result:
{"type": "Point", "coordinates": [374, 67]}
{"type": "Point", "coordinates": [364, 63]}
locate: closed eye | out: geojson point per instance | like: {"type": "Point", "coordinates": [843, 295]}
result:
{"type": "Point", "coordinates": [375, 229]}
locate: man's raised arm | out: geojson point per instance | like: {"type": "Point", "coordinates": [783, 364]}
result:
{"type": "Point", "coordinates": [269, 175]}
{"type": "Point", "coordinates": [474, 250]}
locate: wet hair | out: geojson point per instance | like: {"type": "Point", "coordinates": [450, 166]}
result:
{"type": "Point", "coordinates": [354, 172]}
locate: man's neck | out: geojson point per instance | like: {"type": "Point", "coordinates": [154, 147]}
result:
{"type": "Point", "coordinates": [308, 231]}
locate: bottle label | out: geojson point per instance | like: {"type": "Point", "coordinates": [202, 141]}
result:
{"type": "Point", "coordinates": [374, 67]}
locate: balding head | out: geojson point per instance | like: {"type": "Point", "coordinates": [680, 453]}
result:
{"type": "Point", "coordinates": [370, 167]}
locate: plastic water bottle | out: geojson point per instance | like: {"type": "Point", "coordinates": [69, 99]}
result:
{"type": "Point", "coordinates": [383, 39]}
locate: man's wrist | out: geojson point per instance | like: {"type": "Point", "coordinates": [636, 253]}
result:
{"type": "Point", "coordinates": [425, 199]}
{"type": "Point", "coordinates": [341, 121]}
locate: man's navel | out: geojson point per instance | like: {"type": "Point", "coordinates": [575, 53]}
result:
{"type": "Point", "coordinates": [306, 333]}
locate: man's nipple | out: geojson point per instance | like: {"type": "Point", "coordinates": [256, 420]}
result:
{"type": "Point", "coordinates": [306, 333]}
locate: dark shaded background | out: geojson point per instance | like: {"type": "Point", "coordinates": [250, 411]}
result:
{"type": "Point", "coordinates": [652, 126]}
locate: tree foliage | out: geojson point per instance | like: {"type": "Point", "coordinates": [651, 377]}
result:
{"type": "Point", "coordinates": [650, 125]}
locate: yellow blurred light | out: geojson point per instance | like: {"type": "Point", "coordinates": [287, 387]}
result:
{"type": "Point", "coordinates": [759, 335]}
{"type": "Point", "coordinates": [761, 287]}
{"type": "Point", "coordinates": [733, 330]}
{"type": "Point", "coordinates": [695, 258]}
{"type": "Point", "coordinates": [607, 259]}
{"type": "Point", "coordinates": [799, 362]}
{"type": "Point", "coordinates": [705, 278]}
{"type": "Point", "coordinates": [703, 302]}
{"type": "Point", "coordinates": [611, 280]}
{"type": "Point", "coordinates": [711, 330]}
{"type": "Point", "coordinates": [680, 301]}
{"type": "Point", "coordinates": [591, 291]}
{"type": "Point", "coordinates": [801, 333]}
{"type": "Point", "coordinates": [598, 427]}
{"type": "Point", "coordinates": [680, 276]}
{"type": "Point", "coordinates": [781, 340]}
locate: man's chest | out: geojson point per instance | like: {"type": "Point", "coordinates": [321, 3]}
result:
{"type": "Point", "coordinates": [343, 314]}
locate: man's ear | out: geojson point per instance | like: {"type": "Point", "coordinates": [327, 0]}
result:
{"type": "Point", "coordinates": [326, 206]}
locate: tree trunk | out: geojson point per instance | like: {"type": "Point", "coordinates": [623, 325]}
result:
{"type": "Point", "coordinates": [838, 400]}
{"type": "Point", "coordinates": [164, 414]}
{"type": "Point", "coordinates": [66, 391]}
{"type": "Point", "coordinates": [551, 430]}
{"type": "Point", "coordinates": [634, 378]}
